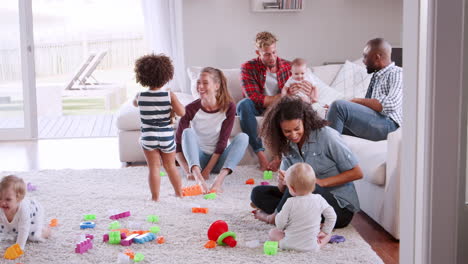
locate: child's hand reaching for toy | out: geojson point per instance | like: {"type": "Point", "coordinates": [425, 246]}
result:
{"type": "Point", "coordinates": [323, 238]}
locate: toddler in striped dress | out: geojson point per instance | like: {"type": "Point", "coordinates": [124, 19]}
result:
{"type": "Point", "coordinates": [157, 132]}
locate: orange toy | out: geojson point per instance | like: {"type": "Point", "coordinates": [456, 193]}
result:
{"type": "Point", "coordinates": [210, 244]}
{"type": "Point", "coordinates": [140, 232]}
{"type": "Point", "coordinates": [129, 253]}
{"type": "Point", "coordinates": [13, 252]}
{"type": "Point", "coordinates": [250, 181]}
{"type": "Point", "coordinates": [200, 210]}
{"type": "Point", "coordinates": [123, 230]}
{"type": "Point", "coordinates": [53, 222]}
{"type": "Point", "coordinates": [192, 190]}
{"type": "Point", "coordinates": [161, 240]}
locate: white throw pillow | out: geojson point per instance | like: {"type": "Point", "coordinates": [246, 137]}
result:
{"type": "Point", "coordinates": [327, 94]}
{"type": "Point", "coordinates": [232, 78]}
{"type": "Point", "coordinates": [352, 80]}
{"type": "Point", "coordinates": [327, 73]}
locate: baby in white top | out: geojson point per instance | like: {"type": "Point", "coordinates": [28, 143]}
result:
{"type": "Point", "coordinates": [299, 75]}
{"type": "Point", "coordinates": [20, 217]}
{"type": "Point", "coordinates": [298, 224]}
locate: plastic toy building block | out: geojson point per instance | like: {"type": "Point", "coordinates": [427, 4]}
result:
{"type": "Point", "coordinates": [53, 222]}
{"type": "Point", "coordinates": [123, 259]}
{"type": "Point", "coordinates": [13, 252]}
{"type": "Point", "coordinates": [114, 225]}
{"type": "Point", "coordinates": [30, 187]}
{"type": "Point", "coordinates": [265, 183]}
{"type": "Point", "coordinates": [139, 232]}
{"type": "Point", "coordinates": [267, 175]}
{"type": "Point", "coordinates": [121, 215]}
{"type": "Point", "coordinates": [161, 240]}
{"type": "Point", "coordinates": [219, 232]}
{"type": "Point", "coordinates": [84, 246]}
{"type": "Point", "coordinates": [129, 253]}
{"type": "Point", "coordinates": [138, 257]}
{"type": "Point", "coordinates": [144, 238]}
{"type": "Point", "coordinates": [210, 244]}
{"type": "Point", "coordinates": [87, 224]}
{"type": "Point", "coordinates": [337, 239]}
{"type": "Point", "coordinates": [155, 229]}
{"type": "Point", "coordinates": [192, 190]}
{"type": "Point", "coordinates": [210, 196]}
{"type": "Point", "coordinates": [128, 240]}
{"type": "Point", "coordinates": [199, 210]}
{"type": "Point", "coordinates": [270, 247]}
{"type": "Point", "coordinates": [88, 217]}
{"type": "Point", "coordinates": [152, 218]}
{"type": "Point", "coordinates": [162, 173]}
{"type": "Point", "coordinates": [105, 237]}
{"type": "Point", "coordinates": [114, 237]}
{"type": "Point", "coordinates": [89, 236]}
{"type": "Point", "coordinates": [250, 181]}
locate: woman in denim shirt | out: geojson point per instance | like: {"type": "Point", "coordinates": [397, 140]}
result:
{"type": "Point", "coordinates": [292, 129]}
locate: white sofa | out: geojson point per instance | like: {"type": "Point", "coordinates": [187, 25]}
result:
{"type": "Point", "coordinates": [378, 191]}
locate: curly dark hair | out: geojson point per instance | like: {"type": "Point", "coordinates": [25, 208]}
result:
{"type": "Point", "coordinates": [154, 71]}
{"type": "Point", "coordinates": [286, 109]}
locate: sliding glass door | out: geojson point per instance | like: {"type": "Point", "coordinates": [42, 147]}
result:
{"type": "Point", "coordinates": [18, 118]}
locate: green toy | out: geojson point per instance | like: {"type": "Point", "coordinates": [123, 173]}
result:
{"type": "Point", "coordinates": [162, 173]}
{"type": "Point", "coordinates": [88, 217]}
{"type": "Point", "coordinates": [152, 218]}
{"type": "Point", "coordinates": [267, 175]}
{"type": "Point", "coordinates": [114, 225]}
{"type": "Point", "coordinates": [114, 237]}
{"type": "Point", "coordinates": [138, 257]}
{"type": "Point", "coordinates": [210, 196]}
{"type": "Point", "coordinates": [155, 229]}
{"type": "Point", "coordinates": [270, 247]}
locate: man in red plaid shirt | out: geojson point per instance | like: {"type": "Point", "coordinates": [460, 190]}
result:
{"type": "Point", "coordinates": [262, 79]}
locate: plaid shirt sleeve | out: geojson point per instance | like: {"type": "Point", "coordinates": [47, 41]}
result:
{"type": "Point", "coordinates": [391, 97]}
{"type": "Point", "coordinates": [251, 86]}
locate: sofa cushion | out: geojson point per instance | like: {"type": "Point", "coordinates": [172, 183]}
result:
{"type": "Point", "coordinates": [232, 78]}
{"type": "Point", "coordinates": [352, 80]}
{"type": "Point", "coordinates": [371, 156]}
{"type": "Point", "coordinates": [327, 73]}
{"type": "Point", "coordinates": [327, 94]}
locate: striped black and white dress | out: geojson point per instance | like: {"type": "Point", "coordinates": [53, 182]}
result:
{"type": "Point", "coordinates": [157, 132]}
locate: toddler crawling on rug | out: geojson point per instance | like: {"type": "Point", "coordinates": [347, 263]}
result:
{"type": "Point", "coordinates": [298, 223]}
{"type": "Point", "coordinates": [20, 217]}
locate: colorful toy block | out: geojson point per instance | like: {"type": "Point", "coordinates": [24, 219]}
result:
{"type": "Point", "coordinates": [87, 224]}
{"type": "Point", "coordinates": [53, 222]}
{"type": "Point", "coordinates": [138, 257]}
{"type": "Point", "coordinates": [13, 252]}
{"type": "Point", "coordinates": [161, 240]}
{"type": "Point", "coordinates": [264, 183]}
{"type": "Point", "coordinates": [105, 237]}
{"type": "Point", "coordinates": [88, 217]}
{"type": "Point", "coordinates": [30, 187]}
{"type": "Point", "coordinates": [337, 239]}
{"type": "Point", "coordinates": [144, 238]}
{"type": "Point", "coordinates": [152, 218]}
{"type": "Point", "coordinates": [114, 237]}
{"type": "Point", "coordinates": [192, 190]}
{"type": "Point", "coordinates": [139, 232]}
{"type": "Point", "coordinates": [162, 173]}
{"type": "Point", "coordinates": [210, 244]}
{"type": "Point", "coordinates": [199, 210]}
{"type": "Point", "coordinates": [84, 245]}
{"type": "Point", "coordinates": [267, 175]}
{"type": "Point", "coordinates": [121, 215]}
{"type": "Point", "coordinates": [155, 229]}
{"type": "Point", "coordinates": [270, 247]}
{"type": "Point", "coordinates": [210, 196]}
{"type": "Point", "coordinates": [128, 240]}
{"type": "Point", "coordinates": [114, 225]}
{"type": "Point", "coordinates": [250, 181]}
{"type": "Point", "coordinates": [129, 253]}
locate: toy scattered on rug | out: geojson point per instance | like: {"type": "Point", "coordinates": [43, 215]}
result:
{"type": "Point", "coordinates": [85, 244]}
{"type": "Point", "coordinates": [121, 215]}
{"type": "Point", "coordinates": [264, 183]}
{"type": "Point", "coordinates": [141, 239]}
{"type": "Point", "coordinates": [192, 190]}
{"type": "Point", "coordinates": [13, 252]}
{"type": "Point", "coordinates": [30, 187]}
{"type": "Point", "coordinates": [155, 229]}
{"type": "Point", "coordinates": [161, 240]}
{"type": "Point", "coordinates": [87, 224]}
{"type": "Point", "coordinates": [210, 244]}
{"type": "Point", "coordinates": [337, 239]}
{"type": "Point", "coordinates": [270, 247]}
{"type": "Point", "coordinates": [199, 210]}
{"type": "Point", "coordinates": [267, 175]}
{"type": "Point", "coordinates": [162, 173]}
{"type": "Point", "coordinates": [152, 218]}
{"type": "Point", "coordinates": [53, 222]}
{"type": "Point", "coordinates": [219, 232]}
{"type": "Point", "coordinates": [250, 181]}
{"type": "Point", "coordinates": [210, 196]}
{"type": "Point", "coordinates": [88, 217]}
{"type": "Point", "coordinates": [114, 225]}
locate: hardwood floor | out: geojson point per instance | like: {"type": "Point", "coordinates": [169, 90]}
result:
{"type": "Point", "coordinates": [87, 153]}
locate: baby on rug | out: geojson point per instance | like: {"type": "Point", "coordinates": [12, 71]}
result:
{"type": "Point", "coordinates": [298, 223]}
{"type": "Point", "coordinates": [20, 216]}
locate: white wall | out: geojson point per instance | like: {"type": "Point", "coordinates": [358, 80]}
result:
{"type": "Point", "coordinates": [221, 33]}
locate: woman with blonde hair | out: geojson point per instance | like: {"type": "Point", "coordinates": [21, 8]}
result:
{"type": "Point", "coordinates": [203, 132]}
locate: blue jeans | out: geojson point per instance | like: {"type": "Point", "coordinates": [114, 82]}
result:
{"type": "Point", "coordinates": [231, 156]}
{"type": "Point", "coordinates": [360, 121]}
{"type": "Point", "coordinates": [247, 111]}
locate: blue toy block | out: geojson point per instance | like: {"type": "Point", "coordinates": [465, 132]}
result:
{"type": "Point", "coordinates": [144, 238]}
{"type": "Point", "coordinates": [88, 224]}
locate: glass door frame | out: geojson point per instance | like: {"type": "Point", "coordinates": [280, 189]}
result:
{"type": "Point", "coordinates": [30, 130]}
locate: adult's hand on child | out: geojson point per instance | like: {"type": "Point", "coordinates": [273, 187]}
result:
{"type": "Point", "coordinates": [294, 88]}
{"type": "Point", "coordinates": [281, 181]}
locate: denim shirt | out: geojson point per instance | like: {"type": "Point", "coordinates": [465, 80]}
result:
{"type": "Point", "coordinates": [329, 156]}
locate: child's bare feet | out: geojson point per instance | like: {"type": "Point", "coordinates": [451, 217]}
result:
{"type": "Point", "coordinates": [264, 217]}
{"type": "Point", "coordinates": [46, 232]}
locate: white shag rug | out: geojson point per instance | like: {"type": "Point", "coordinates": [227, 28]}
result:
{"type": "Point", "coordinates": [69, 194]}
